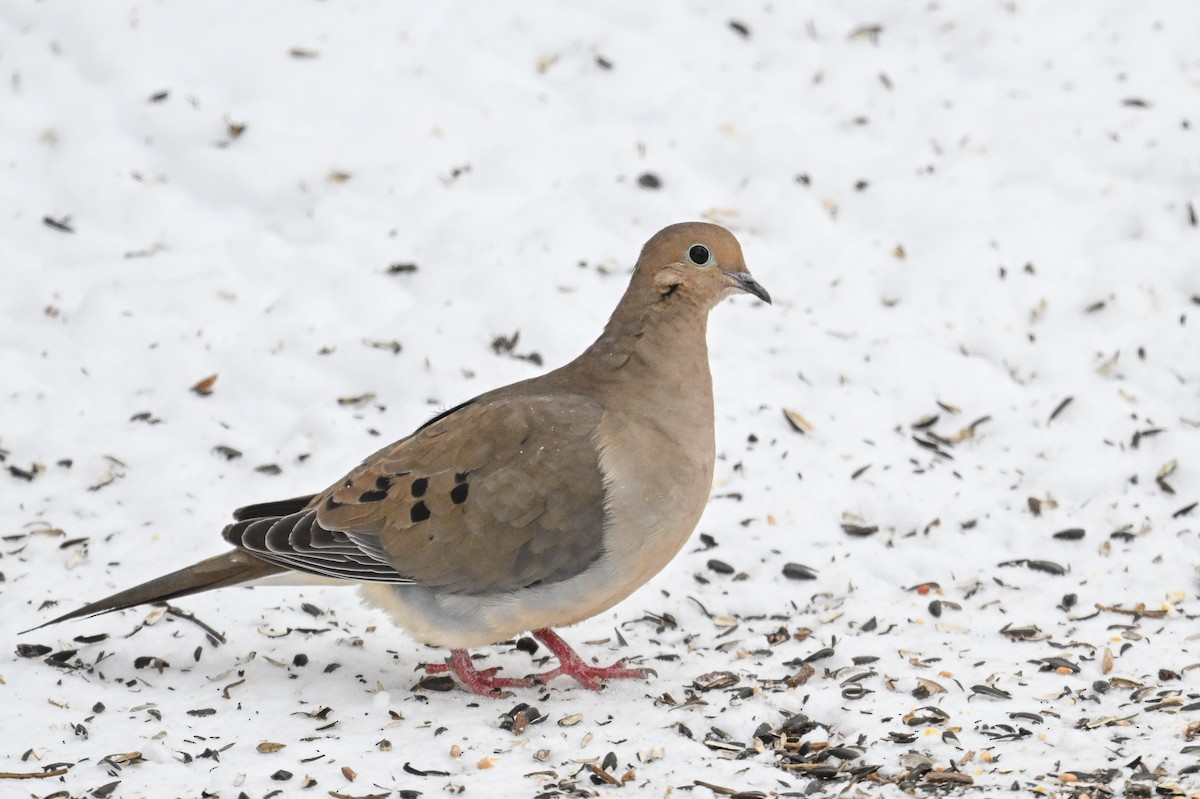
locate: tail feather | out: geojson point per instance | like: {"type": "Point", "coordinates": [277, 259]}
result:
{"type": "Point", "coordinates": [231, 568]}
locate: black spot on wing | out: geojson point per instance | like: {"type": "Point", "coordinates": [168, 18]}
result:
{"type": "Point", "coordinates": [459, 493]}
{"type": "Point", "coordinates": [420, 486]}
{"type": "Point", "coordinates": [460, 477]}
{"type": "Point", "coordinates": [383, 483]}
{"type": "Point", "coordinates": [372, 496]}
{"type": "Point", "coordinates": [419, 512]}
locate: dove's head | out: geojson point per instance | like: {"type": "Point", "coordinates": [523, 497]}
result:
{"type": "Point", "coordinates": [696, 262]}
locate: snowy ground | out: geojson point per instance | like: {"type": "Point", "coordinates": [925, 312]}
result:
{"type": "Point", "coordinates": [965, 212]}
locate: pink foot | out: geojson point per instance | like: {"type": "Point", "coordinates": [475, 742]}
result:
{"type": "Point", "coordinates": [572, 665]}
{"type": "Point", "coordinates": [483, 682]}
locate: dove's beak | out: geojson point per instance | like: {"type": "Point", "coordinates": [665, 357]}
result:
{"type": "Point", "coordinates": [746, 282]}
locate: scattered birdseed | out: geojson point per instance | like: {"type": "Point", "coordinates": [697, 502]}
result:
{"type": "Point", "coordinates": [648, 180]}
{"type": "Point", "coordinates": [226, 452]}
{"type": "Point", "coordinates": [798, 571]}
{"type": "Point", "coordinates": [520, 717]}
{"type": "Point", "coordinates": [1046, 566]}
{"type": "Point", "coordinates": [797, 421]}
{"type": "Point", "coordinates": [720, 567]}
{"type": "Point", "coordinates": [204, 387]}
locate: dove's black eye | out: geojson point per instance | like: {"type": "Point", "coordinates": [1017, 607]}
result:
{"type": "Point", "coordinates": [699, 255]}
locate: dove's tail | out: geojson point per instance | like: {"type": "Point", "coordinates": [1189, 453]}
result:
{"type": "Point", "coordinates": [232, 568]}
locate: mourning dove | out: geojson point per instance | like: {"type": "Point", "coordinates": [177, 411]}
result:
{"type": "Point", "coordinates": [533, 506]}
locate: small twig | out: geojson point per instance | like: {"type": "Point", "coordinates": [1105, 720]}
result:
{"type": "Point", "coordinates": [183, 614]}
{"type": "Point", "coordinates": [31, 775]}
{"type": "Point", "coordinates": [602, 775]}
{"type": "Point", "coordinates": [719, 790]}
{"type": "Point", "coordinates": [1059, 409]}
{"type": "Point", "coordinates": [1140, 610]}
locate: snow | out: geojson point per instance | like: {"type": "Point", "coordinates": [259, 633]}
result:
{"type": "Point", "coordinates": [988, 205]}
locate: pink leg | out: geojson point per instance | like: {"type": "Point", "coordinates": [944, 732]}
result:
{"type": "Point", "coordinates": [483, 682]}
{"type": "Point", "coordinates": [572, 665]}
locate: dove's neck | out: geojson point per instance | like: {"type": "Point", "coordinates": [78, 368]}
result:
{"type": "Point", "coordinates": [649, 371]}
{"type": "Point", "coordinates": [653, 355]}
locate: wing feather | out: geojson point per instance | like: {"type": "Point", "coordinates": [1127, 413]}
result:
{"type": "Point", "coordinates": [498, 494]}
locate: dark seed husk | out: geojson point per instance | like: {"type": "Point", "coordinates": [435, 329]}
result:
{"type": "Point", "coordinates": [59, 658]}
{"type": "Point", "coordinates": [435, 682]}
{"type": "Point", "coordinates": [520, 717]}
{"type": "Point", "coordinates": [1021, 632]}
{"type": "Point", "coordinates": [844, 752]}
{"type": "Point", "coordinates": [820, 654]}
{"type": "Point", "coordinates": [1047, 566]}
{"type": "Point", "coordinates": [798, 724]}
{"type": "Point", "coordinates": [1030, 717]}
{"type": "Point", "coordinates": [416, 772]}
{"type": "Point", "coordinates": [648, 180]}
{"type": "Point", "coordinates": [798, 571]}
{"type": "Point", "coordinates": [720, 567]}
{"type": "Point", "coordinates": [987, 690]}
